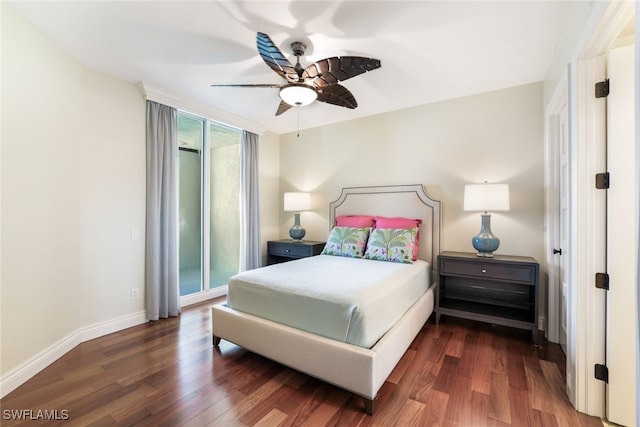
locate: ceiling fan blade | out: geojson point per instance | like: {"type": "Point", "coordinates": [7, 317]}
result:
{"type": "Point", "coordinates": [330, 71]}
{"type": "Point", "coordinates": [274, 58]}
{"type": "Point", "coordinates": [282, 108]}
{"type": "Point", "coordinates": [337, 95]}
{"type": "Point", "coordinates": [268, 85]}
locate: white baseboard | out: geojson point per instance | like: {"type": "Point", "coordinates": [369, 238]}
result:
{"type": "Point", "coordinates": [203, 296]}
{"type": "Point", "coordinates": [19, 375]}
{"type": "Point", "coordinates": [542, 323]}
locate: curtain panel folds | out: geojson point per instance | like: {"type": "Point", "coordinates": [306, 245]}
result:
{"type": "Point", "coordinates": [161, 251]}
{"type": "Point", "coordinates": [249, 202]}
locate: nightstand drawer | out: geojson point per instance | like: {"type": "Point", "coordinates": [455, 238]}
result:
{"type": "Point", "coordinates": [289, 249]}
{"type": "Point", "coordinates": [513, 273]}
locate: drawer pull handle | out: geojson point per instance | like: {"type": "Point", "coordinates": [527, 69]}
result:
{"type": "Point", "coordinates": [483, 270]}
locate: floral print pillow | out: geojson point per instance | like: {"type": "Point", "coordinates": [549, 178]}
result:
{"type": "Point", "coordinates": [392, 244]}
{"type": "Point", "coordinates": [346, 241]}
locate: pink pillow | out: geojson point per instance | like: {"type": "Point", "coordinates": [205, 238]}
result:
{"type": "Point", "coordinates": [357, 221]}
{"type": "Point", "coordinates": [400, 222]}
{"type": "Point", "coordinates": [397, 222]}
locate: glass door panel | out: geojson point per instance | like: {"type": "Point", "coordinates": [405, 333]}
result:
{"type": "Point", "coordinates": [190, 137]}
{"type": "Point", "coordinates": [224, 189]}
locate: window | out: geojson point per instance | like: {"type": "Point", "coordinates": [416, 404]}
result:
{"type": "Point", "coordinates": [209, 206]}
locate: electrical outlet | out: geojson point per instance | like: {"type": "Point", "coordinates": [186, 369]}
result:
{"type": "Point", "coordinates": [135, 292]}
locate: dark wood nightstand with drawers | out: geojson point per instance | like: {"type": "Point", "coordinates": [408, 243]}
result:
{"type": "Point", "coordinates": [502, 290]}
{"type": "Point", "coordinates": [287, 249]}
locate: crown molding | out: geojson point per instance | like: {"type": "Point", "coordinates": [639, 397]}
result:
{"type": "Point", "coordinates": [157, 94]}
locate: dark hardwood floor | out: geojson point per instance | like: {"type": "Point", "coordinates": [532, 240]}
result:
{"type": "Point", "coordinates": [167, 373]}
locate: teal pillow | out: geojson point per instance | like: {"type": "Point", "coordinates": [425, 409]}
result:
{"type": "Point", "coordinates": [346, 241]}
{"type": "Point", "coordinates": [392, 244]}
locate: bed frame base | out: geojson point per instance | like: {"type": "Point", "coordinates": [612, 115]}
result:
{"type": "Point", "coordinates": [369, 404]}
{"type": "Point", "coordinates": [359, 370]}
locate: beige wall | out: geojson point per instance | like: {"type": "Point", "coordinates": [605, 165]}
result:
{"type": "Point", "coordinates": [577, 14]}
{"type": "Point", "coordinates": [73, 185]}
{"type": "Point", "coordinates": [496, 136]}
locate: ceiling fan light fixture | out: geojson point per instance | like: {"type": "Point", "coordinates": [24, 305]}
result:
{"type": "Point", "coordinates": [298, 95]}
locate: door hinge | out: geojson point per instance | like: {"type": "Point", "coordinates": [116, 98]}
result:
{"type": "Point", "coordinates": [601, 373]}
{"type": "Point", "coordinates": [602, 89]}
{"type": "Point", "coordinates": [602, 281]}
{"type": "Point", "coordinates": [602, 181]}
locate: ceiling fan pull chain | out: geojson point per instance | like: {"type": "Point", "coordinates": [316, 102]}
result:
{"type": "Point", "coordinates": [298, 108]}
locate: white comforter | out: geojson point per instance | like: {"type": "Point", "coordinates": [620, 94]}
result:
{"type": "Point", "coordinates": [346, 299]}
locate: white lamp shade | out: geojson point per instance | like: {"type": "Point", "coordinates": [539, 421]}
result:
{"type": "Point", "coordinates": [298, 95]}
{"type": "Point", "coordinates": [297, 202]}
{"type": "Point", "coordinates": [486, 197]}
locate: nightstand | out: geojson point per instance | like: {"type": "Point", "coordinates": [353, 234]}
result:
{"type": "Point", "coordinates": [287, 249]}
{"type": "Point", "coordinates": [502, 290]}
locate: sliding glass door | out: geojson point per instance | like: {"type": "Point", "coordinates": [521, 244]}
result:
{"type": "Point", "coordinates": [190, 144]}
{"type": "Point", "coordinates": [224, 180]}
{"type": "Point", "coordinates": [209, 188]}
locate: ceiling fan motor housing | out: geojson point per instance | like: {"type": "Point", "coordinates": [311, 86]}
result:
{"type": "Point", "coordinates": [298, 48]}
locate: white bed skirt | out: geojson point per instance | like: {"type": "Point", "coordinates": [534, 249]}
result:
{"type": "Point", "coordinates": [356, 369]}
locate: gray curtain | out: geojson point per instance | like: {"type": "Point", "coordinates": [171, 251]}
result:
{"type": "Point", "coordinates": [249, 202]}
{"type": "Point", "coordinates": [161, 257]}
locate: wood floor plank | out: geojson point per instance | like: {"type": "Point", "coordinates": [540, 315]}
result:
{"type": "Point", "coordinates": [421, 361]}
{"type": "Point", "coordinates": [456, 342]}
{"type": "Point", "coordinates": [515, 368]}
{"type": "Point", "coordinates": [539, 396]}
{"type": "Point", "coordinates": [457, 373]}
{"type": "Point", "coordinates": [410, 414]}
{"type": "Point", "coordinates": [310, 403]}
{"type": "Point", "coordinates": [459, 410]}
{"type": "Point", "coordinates": [268, 395]}
{"type": "Point", "coordinates": [499, 404]}
{"type": "Point", "coordinates": [107, 410]}
{"type": "Point", "coordinates": [328, 407]}
{"type": "Point", "coordinates": [435, 408]}
{"type": "Point", "coordinates": [423, 388]}
{"type": "Point", "coordinates": [479, 415]}
{"type": "Point", "coordinates": [207, 416]}
{"type": "Point", "coordinates": [447, 374]}
{"type": "Point", "coordinates": [273, 418]}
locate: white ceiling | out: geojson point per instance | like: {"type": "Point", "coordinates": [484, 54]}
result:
{"type": "Point", "coordinates": [430, 50]}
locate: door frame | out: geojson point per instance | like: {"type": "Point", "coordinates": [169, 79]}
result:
{"type": "Point", "coordinates": [622, 250]}
{"type": "Point", "coordinates": [586, 322]}
{"type": "Point", "coordinates": [637, 156]}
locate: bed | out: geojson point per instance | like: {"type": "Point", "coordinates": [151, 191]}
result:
{"type": "Point", "coordinates": [360, 361]}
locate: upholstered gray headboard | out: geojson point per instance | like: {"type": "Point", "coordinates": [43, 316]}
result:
{"type": "Point", "coordinates": [409, 201]}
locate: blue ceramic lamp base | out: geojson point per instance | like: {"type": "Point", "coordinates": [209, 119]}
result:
{"type": "Point", "coordinates": [485, 242]}
{"type": "Point", "coordinates": [297, 232]}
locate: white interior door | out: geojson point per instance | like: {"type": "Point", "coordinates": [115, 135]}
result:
{"type": "Point", "coordinates": [621, 234]}
{"type": "Point", "coordinates": [563, 231]}
{"type": "Point", "coordinates": [557, 147]}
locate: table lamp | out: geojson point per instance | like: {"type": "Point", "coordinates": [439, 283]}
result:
{"type": "Point", "coordinates": [297, 202]}
{"type": "Point", "coordinates": [486, 197]}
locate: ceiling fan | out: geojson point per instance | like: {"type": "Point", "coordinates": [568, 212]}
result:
{"type": "Point", "coordinates": [318, 81]}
